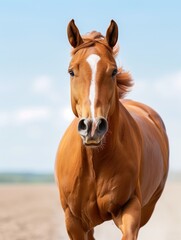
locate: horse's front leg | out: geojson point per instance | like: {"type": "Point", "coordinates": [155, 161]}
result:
{"type": "Point", "coordinates": [74, 227]}
{"type": "Point", "coordinates": [128, 219]}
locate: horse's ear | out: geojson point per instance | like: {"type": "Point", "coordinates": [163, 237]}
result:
{"type": "Point", "coordinates": [112, 34]}
{"type": "Point", "coordinates": [73, 34]}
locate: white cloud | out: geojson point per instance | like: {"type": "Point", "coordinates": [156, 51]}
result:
{"type": "Point", "coordinates": [42, 84]}
{"type": "Point", "coordinates": [24, 116]}
{"type": "Point", "coordinates": [67, 114]}
{"type": "Point", "coordinates": [4, 118]}
{"type": "Point", "coordinates": [169, 86]}
{"type": "Point", "coordinates": [32, 114]}
{"type": "Point", "coordinates": [46, 87]}
{"type": "Point", "coordinates": [165, 87]}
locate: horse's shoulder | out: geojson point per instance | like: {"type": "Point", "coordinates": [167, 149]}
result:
{"type": "Point", "coordinates": [68, 148]}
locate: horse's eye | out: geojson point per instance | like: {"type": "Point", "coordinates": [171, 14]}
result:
{"type": "Point", "coordinates": [71, 72]}
{"type": "Point", "coordinates": [115, 71]}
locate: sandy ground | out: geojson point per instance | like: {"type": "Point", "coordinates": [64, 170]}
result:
{"type": "Point", "coordinates": [33, 212]}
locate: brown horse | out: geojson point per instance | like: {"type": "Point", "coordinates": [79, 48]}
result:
{"type": "Point", "coordinates": [112, 161]}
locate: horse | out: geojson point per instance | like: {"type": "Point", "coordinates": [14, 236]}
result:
{"type": "Point", "coordinates": [112, 161]}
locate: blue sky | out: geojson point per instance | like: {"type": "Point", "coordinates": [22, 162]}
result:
{"type": "Point", "coordinates": [34, 56]}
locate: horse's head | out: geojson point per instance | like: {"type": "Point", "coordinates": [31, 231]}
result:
{"type": "Point", "coordinates": [93, 73]}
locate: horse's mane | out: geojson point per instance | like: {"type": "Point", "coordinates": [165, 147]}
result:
{"type": "Point", "coordinates": [123, 78]}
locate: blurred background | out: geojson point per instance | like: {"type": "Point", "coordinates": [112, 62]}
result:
{"type": "Point", "coordinates": [34, 84]}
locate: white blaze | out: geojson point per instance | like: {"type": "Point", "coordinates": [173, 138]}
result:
{"type": "Point", "coordinates": [93, 60]}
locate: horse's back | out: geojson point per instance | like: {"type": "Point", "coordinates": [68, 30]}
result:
{"type": "Point", "coordinates": [155, 152]}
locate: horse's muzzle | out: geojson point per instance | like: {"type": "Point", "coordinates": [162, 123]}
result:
{"type": "Point", "coordinates": [92, 131]}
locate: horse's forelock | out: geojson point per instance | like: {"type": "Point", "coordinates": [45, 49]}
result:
{"type": "Point", "coordinates": [90, 39]}
{"type": "Point", "coordinates": [93, 35]}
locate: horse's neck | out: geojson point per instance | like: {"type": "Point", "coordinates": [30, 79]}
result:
{"type": "Point", "coordinates": [118, 123]}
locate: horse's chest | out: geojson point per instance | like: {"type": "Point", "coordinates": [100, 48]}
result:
{"type": "Point", "coordinates": [94, 201]}
{"type": "Point", "coordinates": [111, 196]}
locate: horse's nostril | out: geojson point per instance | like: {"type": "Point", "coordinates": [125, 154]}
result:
{"type": "Point", "coordinates": [88, 127]}
{"type": "Point", "coordinates": [102, 125]}
{"type": "Point", "coordinates": [82, 125]}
